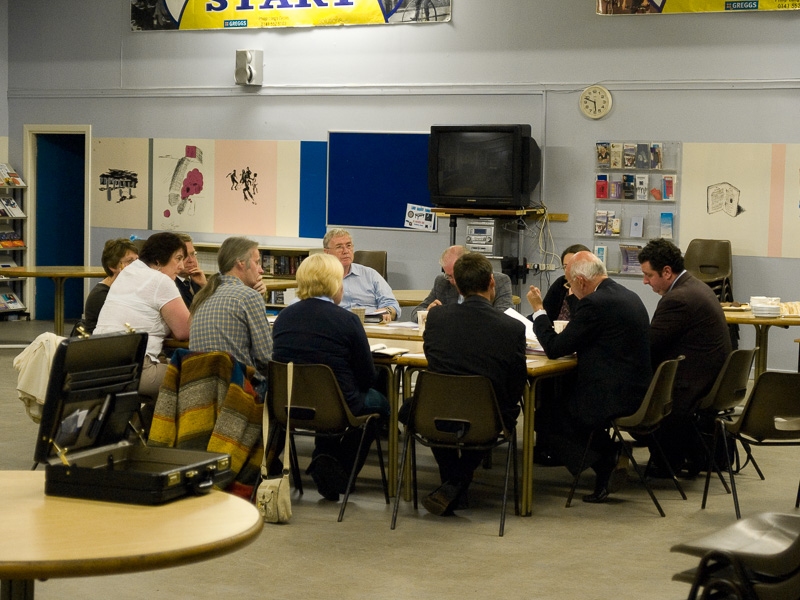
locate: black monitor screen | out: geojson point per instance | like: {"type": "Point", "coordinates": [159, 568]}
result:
{"type": "Point", "coordinates": [476, 164]}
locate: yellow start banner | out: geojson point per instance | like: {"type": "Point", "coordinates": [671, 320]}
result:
{"type": "Point", "coordinates": [638, 7]}
{"type": "Point", "coordinates": [148, 15]}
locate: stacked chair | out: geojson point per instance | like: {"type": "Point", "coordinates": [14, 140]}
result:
{"type": "Point", "coordinates": [771, 417]}
{"type": "Point", "coordinates": [757, 558]}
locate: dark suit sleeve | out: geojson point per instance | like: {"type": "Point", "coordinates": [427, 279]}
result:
{"type": "Point", "coordinates": [503, 298]}
{"type": "Point", "coordinates": [585, 321]}
{"type": "Point", "coordinates": [669, 325]}
{"type": "Point", "coordinates": [424, 304]}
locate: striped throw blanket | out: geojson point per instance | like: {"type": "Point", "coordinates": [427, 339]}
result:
{"type": "Point", "coordinates": [210, 401]}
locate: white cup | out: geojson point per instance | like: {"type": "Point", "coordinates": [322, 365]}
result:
{"type": "Point", "coordinates": [422, 317]}
{"type": "Point", "coordinates": [359, 312]}
{"type": "Point", "coordinates": [559, 325]}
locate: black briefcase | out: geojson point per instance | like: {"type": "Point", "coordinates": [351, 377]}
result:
{"type": "Point", "coordinates": [89, 438]}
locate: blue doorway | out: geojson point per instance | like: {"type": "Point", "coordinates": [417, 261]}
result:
{"type": "Point", "coordinates": [60, 175]}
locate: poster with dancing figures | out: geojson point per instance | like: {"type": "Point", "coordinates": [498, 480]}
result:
{"type": "Point", "coordinates": [246, 192]}
{"type": "Point", "coordinates": [183, 185]}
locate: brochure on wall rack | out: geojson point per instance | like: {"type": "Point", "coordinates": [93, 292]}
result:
{"type": "Point", "coordinates": [630, 259]}
{"type": "Point", "coordinates": [9, 177]}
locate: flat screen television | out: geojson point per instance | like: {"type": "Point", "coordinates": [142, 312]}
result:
{"type": "Point", "coordinates": [482, 166]}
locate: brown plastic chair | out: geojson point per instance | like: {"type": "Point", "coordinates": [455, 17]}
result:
{"type": "Point", "coordinates": [656, 405]}
{"type": "Point", "coordinates": [771, 417]}
{"type": "Point", "coordinates": [376, 259]}
{"type": "Point", "coordinates": [318, 409]}
{"type": "Point", "coordinates": [728, 392]}
{"type": "Point", "coordinates": [460, 412]}
{"type": "Point", "coordinates": [758, 557]}
{"type": "Point", "coordinates": [711, 261]}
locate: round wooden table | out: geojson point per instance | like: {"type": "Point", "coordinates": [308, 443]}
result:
{"type": "Point", "coordinates": [49, 537]}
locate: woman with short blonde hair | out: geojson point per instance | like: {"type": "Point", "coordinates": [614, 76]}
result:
{"type": "Point", "coordinates": [319, 275]}
{"type": "Point", "coordinates": [316, 330]}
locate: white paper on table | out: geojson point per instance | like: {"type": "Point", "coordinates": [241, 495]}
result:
{"type": "Point", "coordinates": [403, 324]}
{"type": "Point", "coordinates": [525, 321]}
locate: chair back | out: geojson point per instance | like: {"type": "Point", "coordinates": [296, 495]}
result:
{"type": "Point", "coordinates": [709, 260]}
{"type": "Point", "coordinates": [376, 259]}
{"type": "Point", "coordinates": [317, 400]}
{"type": "Point", "coordinates": [772, 411]}
{"type": "Point", "coordinates": [657, 402]}
{"type": "Point", "coordinates": [730, 388]}
{"type": "Point", "coordinates": [455, 409]}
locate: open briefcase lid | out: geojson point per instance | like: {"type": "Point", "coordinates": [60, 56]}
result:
{"type": "Point", "coordinates": [91, 394]}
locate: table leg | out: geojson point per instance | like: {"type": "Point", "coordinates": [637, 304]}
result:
{"type": "Point", "coordinates": [58, 312]}
{"type": "Point", "coordinates": [762, 341]}
{"type": "Point", "coordinates": [393, 383]}
{"type": "Point", "coordinates": [17, 589]}
{"type": "Point", "coordinates": [529, 401]}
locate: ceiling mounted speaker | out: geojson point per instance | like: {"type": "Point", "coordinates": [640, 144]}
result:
{"type": "Point", "coordinates": [249, 67]}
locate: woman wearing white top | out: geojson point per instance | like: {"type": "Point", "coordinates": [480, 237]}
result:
{"type": "Point", "coordinates": [145, 297]}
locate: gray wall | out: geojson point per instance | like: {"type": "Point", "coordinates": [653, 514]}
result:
{"type": "Point", "coordinates": [691, 78]}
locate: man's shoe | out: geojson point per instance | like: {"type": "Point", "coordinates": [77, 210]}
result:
{"type": "Point", "coordinates": [545, 458]}
{"type": "Point", "coordinates": [442, 500]}
{"type": "Point", "coordinates": [597, 497]}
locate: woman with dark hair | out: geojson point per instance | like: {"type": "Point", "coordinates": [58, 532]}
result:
{"type": "Point", "coordinates": [145, 297]}
{"type": "Point", "coordinates": [117, 254]}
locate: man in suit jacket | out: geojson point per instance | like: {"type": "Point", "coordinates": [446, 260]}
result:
{"type": "Point", "coordinates": [192, 278]}
{"type": "Point", "coordinates": [689, 321]}
{"type": "Point", "coordinates": [444, 290]}
{"type": "Point", "coordinates": [472, 338]}
{"type": "Point", "coordinates": [609, 331]}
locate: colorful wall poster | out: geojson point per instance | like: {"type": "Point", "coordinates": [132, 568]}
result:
{"type": "Point", "coordinates": [249, 14]}
{"type": "Point", "coordinates": [120, 182]}
{"type": "Point", "coordinates": [640, 7]}
{"type": "Point", "coordinates": [183, 185]}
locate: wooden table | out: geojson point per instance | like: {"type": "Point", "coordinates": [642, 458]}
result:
{"type": "Point", "coordinates": [48, 536]}
{"type": "Point", "coordinates": [539, 368]}
{"type": "Point", "coordinates": [415, 297]}
{"type": "Point", "coordinates": [762, 325]}
{"type": "Point", "coordinates": [59, 275]}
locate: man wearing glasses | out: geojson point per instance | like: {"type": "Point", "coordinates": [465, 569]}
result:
{"type": "Point", "coordinates": [445, 292]}
{"type": "Point", "coordinates": [363, 286]}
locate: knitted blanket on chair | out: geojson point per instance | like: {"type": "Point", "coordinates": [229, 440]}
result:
{"type": "Point", "coordinates": [209, 401]}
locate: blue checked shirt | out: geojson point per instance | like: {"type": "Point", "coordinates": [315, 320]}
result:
{"type": "Point", "coordinates": [233, 319]}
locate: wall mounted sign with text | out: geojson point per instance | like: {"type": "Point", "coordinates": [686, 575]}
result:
{"type": "Point", "coordinates": [641, 7]}
{"type": "Point", "coordinates": [149, 15]}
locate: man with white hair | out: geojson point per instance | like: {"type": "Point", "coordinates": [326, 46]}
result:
{"type": "Point", "coordinates": [609, 331]}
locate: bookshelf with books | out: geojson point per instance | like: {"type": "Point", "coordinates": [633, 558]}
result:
{"type": "Point", "coordinates": [279, 264]}
{"type": "Point", "coordinates": [13, 235]}
{"type": "Point", "coordinates": [636, 198]}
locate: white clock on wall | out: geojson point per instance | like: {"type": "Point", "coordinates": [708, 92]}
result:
{"type": "Point", "coordinates": [595, 101]}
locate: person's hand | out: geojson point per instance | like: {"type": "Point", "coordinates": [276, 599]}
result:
{"type": "Point", "coordinates": [434, 303]}
{"type": "Point", "coordinates": [260, 287]}
{"type": "Point", "coordinates": [535, 298]}
{"type": "Point", "coordinates": [198, 276]}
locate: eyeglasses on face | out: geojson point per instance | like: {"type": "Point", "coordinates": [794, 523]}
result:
{"type": "Point", "coordinates": [341, 247]}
